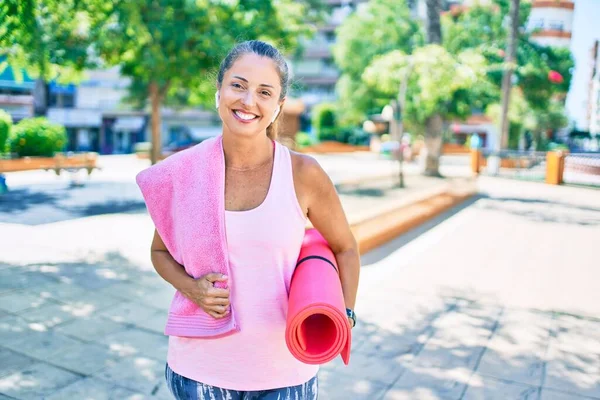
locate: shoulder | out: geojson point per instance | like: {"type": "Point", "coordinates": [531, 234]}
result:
{"type": "Point", "coordinates": [308, 173]}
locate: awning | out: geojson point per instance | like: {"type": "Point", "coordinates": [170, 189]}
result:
{"type": "Point", "coordinates": [128, 124]}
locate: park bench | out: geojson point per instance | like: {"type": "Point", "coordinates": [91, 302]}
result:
{"type": "Point", "coordinates": [61, 162]}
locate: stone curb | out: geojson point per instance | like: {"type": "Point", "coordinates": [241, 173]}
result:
{"type": "Point", "coordinates": [377, 229]}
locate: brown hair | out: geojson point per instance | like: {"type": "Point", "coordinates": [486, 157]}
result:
{"type": "Point", "coordinates": [265, 50]}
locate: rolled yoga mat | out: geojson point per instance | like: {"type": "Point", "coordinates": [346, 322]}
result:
{"type": "Point", "coordinates": [317, 328]}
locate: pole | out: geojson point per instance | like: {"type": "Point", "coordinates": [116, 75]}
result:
{"type": "Point", "coordinates": [401, 102]}
{"type": "Point", "coordinates": [509, 62]}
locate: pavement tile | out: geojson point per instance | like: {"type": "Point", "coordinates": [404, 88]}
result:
{"type": "Point", "coordinates": [11, 362]}
{"type": "Point", "coordinates": [58, 291]}
{"type": "Point", "coordinates": [129, 313]}
{"type": "Point", "coordinates": [548, 394]}
{"type": "Point", "coordinates": [338, 386]}
{"type": "Point", "coordinates": [573, 360]}
{"type": "Point", "coordinates": [89, 329]}
{"type": "Point", "coordinates": [459, 340]}
{"type": "Point", "coordinates": [36, 381]}
{"type": "Point", "coordinates": [363, 366]}
{"type": "Point", "coordinates": [90, 304]}
{"type": "Point", "coordinates": [384, 345]}
{"type": "Point", "coordinates": [487, 388]}
{"type": "Point", "coordinates": [133, 341]}
{"type": "Point", "coordinates": [95, 389]}
{"type": "Point", "coordinates": [155, 323]}
{"type": "Point", "coordinates": [17, 301]}
{"type": "Point", "coordinates": [84, 358]}
{"type": "Point", "coordinates": [51, 315]}
{"type": "Point", "coordinates": [136, 373]}
{"type": "Point", "coordinates": [517, 349]}
{"type": "Point", "coordinates": [429, 383]}
{"type": "Point", "coordinates": [41, 345]}
{"type": "Point", "coordinates": [12, 279]}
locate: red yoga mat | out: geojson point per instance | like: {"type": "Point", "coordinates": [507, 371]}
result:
{"type": "Point", "coordinates": [317, 326]}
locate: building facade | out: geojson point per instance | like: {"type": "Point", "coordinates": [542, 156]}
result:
{"type": "Point", "coordinates": [593, 112]}
{"type": "Point", "coordinates": [551, 22]}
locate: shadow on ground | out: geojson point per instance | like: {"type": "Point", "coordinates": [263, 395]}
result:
{"type": "Point", "coordinates": [96, 329]}
{"type": "Point", "coordinates": [41, 204]}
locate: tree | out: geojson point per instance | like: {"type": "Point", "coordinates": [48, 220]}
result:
{"type": "Point", "coordinates": [434, 122]}
{"type": "Point", "coordinates": [171, 48]}
{"type": "Point", "coordinates": [481, 27]}
{"type": "Point", "coordinates": [383, 26]}
{"type": "Point", "coordinates": [440, 84]}
{"type": "Point", "coordinates": [509, 68]}
{"type": "Point", "coordinates": [49, 39]}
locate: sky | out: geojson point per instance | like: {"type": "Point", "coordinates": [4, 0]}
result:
{"type": "Point", "coordinates": [586, 28]}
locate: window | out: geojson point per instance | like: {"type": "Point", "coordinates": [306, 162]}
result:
{"type": "Point", "coordinates": [556, 25]}
{"type": "Point", "coordinates": [538, 24]}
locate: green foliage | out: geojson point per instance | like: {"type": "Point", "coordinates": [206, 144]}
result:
{"type": "Point", "coordinates": [481, 28]}
{"type": "Point", "coordinates": [324, 121]}
{"type": "Point", "coordinates": [5, 127]}
{"type": "Point", "coordinates": [37, 137]}
{"type": "Point", "coordinates": [303, 139]}
{"type": "Point", "coordinates": [178, 44]}
{"type": "Point", "coordinates": [438, 82]}
{"type": "Point", "coordinates": [50, 39]}
{"type": "Point", "coordinates": [383, 26]}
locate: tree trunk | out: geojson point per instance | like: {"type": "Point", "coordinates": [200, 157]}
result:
{"type": "Point", "coordinates": [434, 126]}
{"type": "Point", "coordinates": [155, 100]}
{"type": "Point", "coordinates": [41, 94]}
{"type": "Point", "coordinates": [509, 62]}
{"type": "Point", "coordinates": [434, 28]}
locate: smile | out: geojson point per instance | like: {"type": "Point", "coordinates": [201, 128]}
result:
{"type": "Point", "coordinates": [244, 117]}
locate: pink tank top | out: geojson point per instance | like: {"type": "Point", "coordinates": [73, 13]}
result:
{"type": "Point", "coordinates": [264, 244]}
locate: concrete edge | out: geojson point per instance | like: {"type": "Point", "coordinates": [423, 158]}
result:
{"type": "Point", "coordinates": [373, 232]}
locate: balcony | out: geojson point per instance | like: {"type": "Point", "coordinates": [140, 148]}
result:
{"type": "Point", "coordinates": [564, 4]}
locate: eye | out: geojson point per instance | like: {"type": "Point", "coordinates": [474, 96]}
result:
{"type": "Point", "coordinates": [266, 93]}
{"type": "Point", "coordinates": [237, 85]}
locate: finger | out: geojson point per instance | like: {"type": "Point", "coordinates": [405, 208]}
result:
{"type": "Point", "coordinates": [218, 309]}
{"type": "Point", "coordinates": [215, 277]}
{"type": "Point", "coordinates": [217, 314]}
{"type": "Point", "coordinates": [217, 301]}
{"type": "Point", "coordinates": [217, 292]}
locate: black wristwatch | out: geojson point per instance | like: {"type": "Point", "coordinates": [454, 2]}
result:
{"type": "Point", "coordinates": [350, 313]}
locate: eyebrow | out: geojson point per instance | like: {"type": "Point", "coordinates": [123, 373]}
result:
{"type": "Point", "coordinates": [246, 80]}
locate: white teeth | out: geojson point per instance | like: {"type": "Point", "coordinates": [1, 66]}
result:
{"type": "Point", "coordinates": [244, 115]}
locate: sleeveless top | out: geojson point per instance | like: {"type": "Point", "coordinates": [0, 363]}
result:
{"type": "Point", "coordinates": [264, 244]}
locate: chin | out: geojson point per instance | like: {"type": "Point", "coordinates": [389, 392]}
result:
{"type": "Point", "coordinates": [245, 131]}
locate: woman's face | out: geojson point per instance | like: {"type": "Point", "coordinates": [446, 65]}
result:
{"type": "Point", "coordinates": [249, 95]}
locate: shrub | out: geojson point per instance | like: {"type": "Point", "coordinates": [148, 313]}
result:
{"type": "Point", "coordinates": [37, 137]}
{"type": "Point", "coordinates": [303, 139]}
{"type": "Point", "coordinates": [324, 120]}
{"type": "Point", "coordinates": [5, 127]}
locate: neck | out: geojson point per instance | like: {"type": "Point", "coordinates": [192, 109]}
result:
{"type": "Point", "coordinates": [246, 153]}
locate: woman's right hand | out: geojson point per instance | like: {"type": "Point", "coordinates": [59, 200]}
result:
{"type": "Point", "coordinates": [214, 301]}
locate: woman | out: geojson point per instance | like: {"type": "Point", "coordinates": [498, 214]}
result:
{"type": "Point", "coordinates": [270, 192]}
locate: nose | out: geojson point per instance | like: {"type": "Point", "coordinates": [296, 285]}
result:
{"type": "Point", "coordinates": [248, 99]}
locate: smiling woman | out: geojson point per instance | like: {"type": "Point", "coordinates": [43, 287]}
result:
{"type": "Point", "coordinates": [227, 333]}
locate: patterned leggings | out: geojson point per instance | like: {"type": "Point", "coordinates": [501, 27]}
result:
{"type": "Point", "coordinates": [183, 388]}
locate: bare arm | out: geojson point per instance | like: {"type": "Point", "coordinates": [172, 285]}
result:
{"type": "Point", "coordinates": [169, 269]}
{"type": "Point", "coordinates": [327, 216]}
{"type": "Point", "coordinates": [213, 300]}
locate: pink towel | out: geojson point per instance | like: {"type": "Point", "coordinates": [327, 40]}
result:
{"type": "Point", "coordinates": [185, 197]}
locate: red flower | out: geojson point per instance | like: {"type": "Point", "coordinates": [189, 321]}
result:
{"type": "Point", "coordinates": [555, 77]}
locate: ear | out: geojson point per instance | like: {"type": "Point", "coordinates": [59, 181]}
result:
{"type": "Point", "coordinates": [278, 110]}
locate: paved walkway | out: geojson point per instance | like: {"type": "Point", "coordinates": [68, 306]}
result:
{"type": "Point", "coordinates": [497, 301]}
